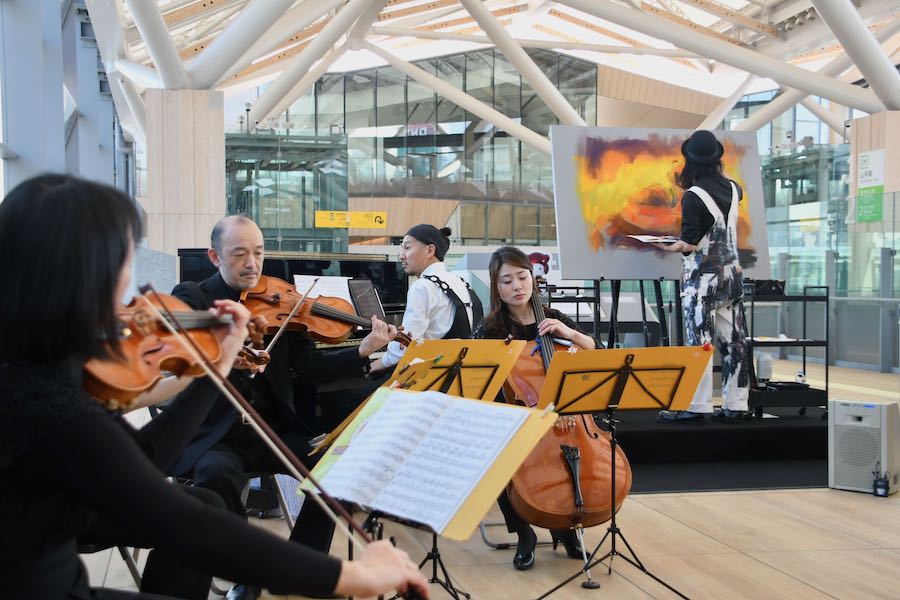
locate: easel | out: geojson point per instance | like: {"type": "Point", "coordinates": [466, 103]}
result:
{"type": "Point", "coordinates": [592, 381]}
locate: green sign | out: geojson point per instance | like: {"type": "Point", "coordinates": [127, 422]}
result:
{"type": "Point", "coordinates": [869, 204]}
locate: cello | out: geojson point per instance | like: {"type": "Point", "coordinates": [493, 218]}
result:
{"type": "Point", "coordinates": [565, 481]}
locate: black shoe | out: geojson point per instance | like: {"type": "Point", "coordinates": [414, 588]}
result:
{"type": "Point", "coordinates": [524, 558]}
{"type": "Point", "coordinates": [724, 415]}
{"type": "Point", "coordinates": [681, 417]}
{"type": "Point", "coordinates": [243, 592]}
{"type": "Point", "coordinates": [569, 541]}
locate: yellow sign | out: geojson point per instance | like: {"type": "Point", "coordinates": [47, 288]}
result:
{"type": "Point", "coordinates": [343, 218]}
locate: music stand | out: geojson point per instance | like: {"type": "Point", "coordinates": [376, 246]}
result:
{"type": "Point", "coordinates": [604, 380]}
{"type": "Point", "coordinates": [474, 369]}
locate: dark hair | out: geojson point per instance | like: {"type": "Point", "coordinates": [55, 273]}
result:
{"type": "Point", "coordinates": [693, 171]}
{"type": "Point", "coordinates": [72, 237]}
{"type": "Point", "coordinates": [498, 323]}
{"type": "Point", "coordinates": [431, 235]}
{"type": "Point", "coordinates": [215, 238]}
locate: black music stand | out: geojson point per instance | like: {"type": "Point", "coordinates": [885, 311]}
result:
{"type": "Point", "coordinates": [580, 390]}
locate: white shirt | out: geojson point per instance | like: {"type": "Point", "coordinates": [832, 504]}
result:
{"type": "Point", "coordinates": [429, 312]}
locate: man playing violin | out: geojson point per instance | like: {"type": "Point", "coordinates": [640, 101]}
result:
{"type": "Point", "coordinates": [225, 452]}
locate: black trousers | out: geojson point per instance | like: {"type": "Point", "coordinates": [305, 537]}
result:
{"type": "Point", "coordinates": [162, 574]}
{"type": "Point", "coordinates": [228, 466]}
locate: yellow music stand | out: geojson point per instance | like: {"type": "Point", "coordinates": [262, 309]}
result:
{"type": "Point", "coordinates": [594, 381]}
{"type": "Point", "coordinates": [481, 367]}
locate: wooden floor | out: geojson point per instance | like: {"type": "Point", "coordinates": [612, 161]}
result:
{"type": "Point", "coordinates": [796, 544]}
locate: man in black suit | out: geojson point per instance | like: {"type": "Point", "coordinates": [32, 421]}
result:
{"type": "Point", "coordinates": [225, 451]}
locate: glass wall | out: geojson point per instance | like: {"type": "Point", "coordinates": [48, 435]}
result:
{"type": "Point", "coordinates": [376, 133]}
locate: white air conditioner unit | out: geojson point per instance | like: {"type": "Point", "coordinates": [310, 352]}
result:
{"type": "Point", "coordinates": [863, 436]}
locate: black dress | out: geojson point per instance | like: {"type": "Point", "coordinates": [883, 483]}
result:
{"type": "Point", "coordinates": [64, 460]}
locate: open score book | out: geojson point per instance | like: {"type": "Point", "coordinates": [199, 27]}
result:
{"type": "Point", "coordinates": [419, 456]}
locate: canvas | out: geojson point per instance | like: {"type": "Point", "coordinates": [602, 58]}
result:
{"type": "Point", "coordinates": [610, 183]}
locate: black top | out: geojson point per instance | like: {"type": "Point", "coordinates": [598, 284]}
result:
{"type": "Point", "coordinates": [63, 459]}
{"type": "Point", "coordinates": [525, 332]}
{"type": "Point", "coordinates": [271, 393]}
{"type": "Point", "coordinates": [695, 218]}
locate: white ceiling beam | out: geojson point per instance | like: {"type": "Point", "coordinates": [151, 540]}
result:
{"type": "Point", "coordinates": [826, 116]}
{"type": "Point", "coordinates": [137, 123]}
{"type": "Point", "coordinates": [844, 21]}
{"type": "Point", "coordinates": [247, 27]}
{"type": "Point", "coordinates": [299, 66]}
{"type": "Point", "coordinates": [530, 43]}
{"type": "Point", "coordinates": [463, 100]}
{"type": "Point", "coordinates": [725, 52]}
{"type": "Point", "coordinates": [307, 81]}
{"type": "Point", "coordinates": [364, 24]}
{"type": "Point", "coordinates": [138, 73]}
{"type": "Point", "coordinates": [283, 31]}
{"type": "Point", "coordinates": [521, 61]}
{"type": "Point", "coordinates": [734, 16]}
{"type": "Point", "coordinates": [721, 111]}
{"type": "Point", "coordinates": [153, 30]}
{"type": "Point", "coordinates": [790, 97]}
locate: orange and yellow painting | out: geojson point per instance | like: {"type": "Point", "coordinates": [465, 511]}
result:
{"type": "Point", "coordinates": [627, 187]}
{"type": "Point", "coordinates": [612, 183]}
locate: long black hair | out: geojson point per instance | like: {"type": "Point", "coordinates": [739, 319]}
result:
{"type": "Point", "coordinates": [498, 323]}
{"type": "Point", "coordinates": [693, 171]}
{"type": "Point", "coordinates": [70, 238]}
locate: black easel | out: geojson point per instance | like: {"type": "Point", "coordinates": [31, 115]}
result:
{"type": "Point", "coordinates": [621, 376]}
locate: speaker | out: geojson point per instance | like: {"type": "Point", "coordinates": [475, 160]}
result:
{"type": "Point", "coordinates": [863, 437]}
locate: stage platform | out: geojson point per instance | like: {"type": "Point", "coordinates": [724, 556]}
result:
{"type": "Point", "coordinates": [783, 449]}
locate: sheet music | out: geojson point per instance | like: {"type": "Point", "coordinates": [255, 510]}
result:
{"type": "Point", "coordinates": [420, 456]}
{"type": "Point", "coordinates": [329, 285]}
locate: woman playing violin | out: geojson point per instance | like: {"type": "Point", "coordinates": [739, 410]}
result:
{"type": "Point", "coordinates": [511, 313]}
{"type": "Point", "coordinates": [66, 460]}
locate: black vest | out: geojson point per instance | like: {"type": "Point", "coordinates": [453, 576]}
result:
{"type": "Point", "coordinates": [460, 329]}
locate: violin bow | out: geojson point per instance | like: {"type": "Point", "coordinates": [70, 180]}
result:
{"type": "Point", "coordinates": [293, 312]}
{"type": "Point", "coordinates": [271, 439]}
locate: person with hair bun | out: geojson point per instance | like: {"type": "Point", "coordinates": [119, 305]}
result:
{"type": "Point", "coordinates": [439, 305]}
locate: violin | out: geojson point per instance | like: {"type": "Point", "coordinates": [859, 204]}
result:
{"type": "Point", "coordinates": [326, 319]}
{"type": "Point", "coordinates": [565, 481]}
{"type": "Point", "coordinates": [148, 350]}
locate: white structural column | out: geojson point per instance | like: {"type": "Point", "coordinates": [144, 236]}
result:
{"type": "Point", "coordinates": [301, 64]}
{"type": "Point", "coordinates": [825, 115]}
{"type": "Point", "coordinates": [185, 167]}
{"type": "Point", "coordinates": [292, 22]}
{"type": "Point", "coordinates": [31, 92]}
{"type": "Point", "coordinates": [790, 97]}
{"type": "Point", "coordinates": [465, 101]}
{"type": "Point", "coordinates": [140, 74]}
{"type": "Point", "coordinates": [721, 111]}
{"type": "Point", "coordinates": [845, 23]}
{"type": "Point", "coordinates": [521, 61]}
{"type": "Point", "coordinates": [149, 22]}
{"type": "Point", "coordinates": [741, 58]}
{"type": "Point", "coordinates": [134, 104]}
{"type": "Point", "coordinates": [247, 27]}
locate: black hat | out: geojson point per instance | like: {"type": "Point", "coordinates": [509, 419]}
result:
{"type": "Point", "coordinates": [702, 148]}
{"type": "Point", "coordinates": [429, 234]}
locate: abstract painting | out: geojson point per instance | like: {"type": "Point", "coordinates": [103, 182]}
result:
{"type": "Point", "coordinates": [610, 183]}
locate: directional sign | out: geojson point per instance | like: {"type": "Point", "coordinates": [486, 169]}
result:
{"type": "Point", "coordinates": [356, 219]}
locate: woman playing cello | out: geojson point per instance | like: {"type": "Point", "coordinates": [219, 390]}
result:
{"type": "Point", "coordinates": [511, 313]}
{"type": "Point", "coordinates": [66, 460]}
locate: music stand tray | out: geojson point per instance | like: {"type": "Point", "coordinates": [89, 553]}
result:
{"type": "Point", "coordinates": [605, 381]}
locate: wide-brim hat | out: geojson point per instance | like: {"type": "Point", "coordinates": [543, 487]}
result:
{"type": "Point", "coordinates": [703, 148]}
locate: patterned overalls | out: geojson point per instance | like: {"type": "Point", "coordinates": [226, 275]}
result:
{"type": "Point", "coordinates": [712, 289]}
